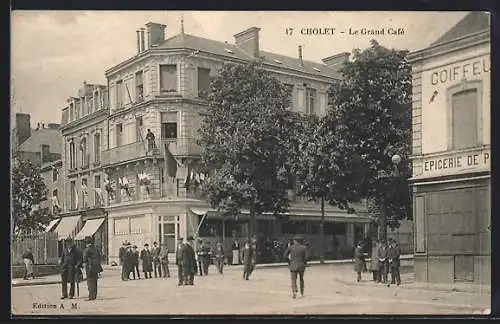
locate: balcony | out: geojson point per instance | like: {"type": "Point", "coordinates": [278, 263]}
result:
{"type": "Point", "coordinates": [181, 146]}
{"type": "Point", "coordinates": [126, 152]}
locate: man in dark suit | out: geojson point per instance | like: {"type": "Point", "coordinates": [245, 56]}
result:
{"type": "Point", "coordinates": [188, 262]}
{"type": "Point", "coordinates": [297, 253]}
{"type": "Point", "coordinates": [147, 261]}
{"type": "Point", "coordinates": [71, 263]}
{"type": "Point", "coordinates": [248, 259]}
{"type": "Point", "coordinates": [155, 253]}
{"type": "Point", "coordinates": [394, 262]}
{"type": "Point", "coordinates": [92, 260]}
{"type": "Point", "coordinates": [178, 261]}
{"type": "Point", "coordinates": [121, 256]}
{"type": "Point", "coordinates": [382, 256]}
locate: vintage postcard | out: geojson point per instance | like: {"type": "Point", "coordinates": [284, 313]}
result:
{"type": "Point", "coordinates": [250, 163]}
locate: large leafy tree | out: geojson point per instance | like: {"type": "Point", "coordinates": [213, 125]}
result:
{"type": "Point", "coordinates": [245, 140]}
{"type": "Point", "coordinates": [372, 120]}
{"type": "Point", "coordinates": [28, 195]}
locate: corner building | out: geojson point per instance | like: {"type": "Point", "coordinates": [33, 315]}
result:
{"type": "Point", "coordinates": [451, 155]}
{"type": "Point", "coordinates": [163, 88]}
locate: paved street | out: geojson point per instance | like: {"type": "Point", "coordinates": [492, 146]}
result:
{"type": "Point", "coordinates": [330, 289]}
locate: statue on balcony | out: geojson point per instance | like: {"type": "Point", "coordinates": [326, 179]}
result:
{"type": "Point", "coordinates": [124, 185]}
{"type": "Point", "coordinates": [109, 187]}
{"type": "Point", "coordinates": [145, 180]}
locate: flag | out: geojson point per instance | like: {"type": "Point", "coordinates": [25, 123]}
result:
{"type": "Point", "coordinates": [170, 162]}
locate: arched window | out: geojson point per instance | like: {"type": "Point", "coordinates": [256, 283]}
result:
{"type": "Point", "coordinates": [72, 155]}
{"type": "Point", "coordinates": [84, 153]}
{"type": "Point", "coordinates": [97, 147]}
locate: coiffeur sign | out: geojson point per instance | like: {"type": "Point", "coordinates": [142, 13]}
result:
{"type": "Point", "coordinates": [450, 163]}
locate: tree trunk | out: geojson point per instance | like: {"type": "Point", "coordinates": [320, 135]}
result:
{"type": "Point", "coordinates": [224, 233]}
{"type": "Point", "coordinates": [322, 232]}
{"type": "Point", "coordinates": [382, 224]}
{"type": "Point", "coordinates": [251, 227]}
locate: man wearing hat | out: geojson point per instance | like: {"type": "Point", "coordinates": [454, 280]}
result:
{"type": "Point", "coordinates": [188, 261]}
{"type": "Point", "coordinates": [297, 253]}
{"type": "Point", "coordinates": [92, 260]}
{"type": "Point", "coordinates": [121, 256]}
{"type": "Point", "coordinates": [147, 262]}
{"type": "Point", "coordinates": [359, 261]}
{"type": "Point", "coordinates": [248, 259]}
{"type": "Point", "coordinates": [155, 253]}
{"type": "Point", "coordinates": [394, 255]}
{"type": "Point", "coordinates": [71, 263]}
{"type": "Point", "coordinates": [134, 263]}
{"type": "Point", "coordinates": [383, 262]}
{"type": "Point", "coordinates": [164, 261]}
{"type": "Point", "coordinates": [178, 261]}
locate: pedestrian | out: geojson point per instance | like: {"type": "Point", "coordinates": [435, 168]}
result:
{"type": "Point", "coordinates": [134, 263]}
{"type": "Point", "coordinates": [188, 261]}
{"type": "Point", "coordinates": [150, 137]}
{"type": "Point", "coordinates": [235, 249]}
{"type": "Point", "coordinates": [121, 256]}
{"type": "Point", "coordinates": [219, 257]}
{"type": "Point", "coordinates": [128, 261]}
{"type": "Point", "coordinates": [164, 261]}
{"type": "Point", "coordinates": [155, 252]}
{"type": "Point", "coordinates": [394, 262]}
{"type": "Point", "coordinates": [147, 262]}
{"type": "Point", "coordinates": [71, 261]}
{"type": "Point", "coordinates": [178, 261]}
{"type": "Point", "coordinates": [93, 267]}
{"type": "Point", "coordinates": [248, 260]}
{"type": "Point", "coordinates": [29, 262]}
{"type": "Point", "coordinates": [204, 255]}
{"type": "Point", "coordinates": [383, 262]}
{"type": "Point", "coordinates": [374, 268]}
{"type": "Point", "coordinates": [199, 258]}
{"type": "Point", "coordinates": [297, 254]}
{"type": "Point", "coordinates": [359, 261]}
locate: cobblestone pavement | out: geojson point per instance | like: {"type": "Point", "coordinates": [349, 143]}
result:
{"type": "Point", "coordinates": [330, 289]}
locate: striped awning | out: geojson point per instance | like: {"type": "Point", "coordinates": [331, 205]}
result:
{"type": "Point", "coordinates": [90, 228]}
{"type": "Point", "coordinates": [67, 227]}
{"type": "Point", "coordinates": [52, 224]}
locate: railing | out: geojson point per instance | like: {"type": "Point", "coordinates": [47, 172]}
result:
{"type": "Point", "coordinates": [125, 153]}
{"type": "Point", "coordinates": [181, 146]}
{"type": "Point", "coordinates": [44, 247]}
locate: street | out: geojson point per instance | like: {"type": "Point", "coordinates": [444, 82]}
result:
{"type": "Point", "coordinates": [330, 289]}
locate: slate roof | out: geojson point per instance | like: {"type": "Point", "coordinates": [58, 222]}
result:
{"type": "Point", "coordinates": [44, 136]}
{"type": "Point", "coordinates": [219, 48]}
{"type": "Point", "coordinates": [472, 23]}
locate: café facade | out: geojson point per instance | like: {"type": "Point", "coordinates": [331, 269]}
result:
{"type": "Point", "coordinates": [451, 155]}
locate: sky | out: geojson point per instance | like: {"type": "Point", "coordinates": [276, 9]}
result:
{"type": "Point", "coordinates": [53, 52]}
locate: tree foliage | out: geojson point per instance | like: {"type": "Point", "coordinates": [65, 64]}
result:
{"type": "Point", "coordinates": [370, 121]}
{"type": "Point", "coordinates": [245, 140]}
{"type": "Point", "coordinates": [28, 194]}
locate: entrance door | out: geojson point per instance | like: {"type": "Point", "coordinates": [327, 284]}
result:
{"type": "Point", "coordinates": [464, 268]}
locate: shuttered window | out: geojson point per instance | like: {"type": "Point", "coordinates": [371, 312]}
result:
{"type": "Point", "coordinates": [464, 119]}
{"type": "Point", "coordinates": [168, 78]}
{"type": "Point", "coordinates": [203, 82]}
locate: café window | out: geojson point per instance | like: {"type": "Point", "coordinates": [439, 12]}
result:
{"type": "Point", "coordinates": [464, 119]}
{"type": "Point", "coordinates": [310, 101]}
{"type": "Point", "coordinates": [168, 78]}
{"type": "Point", "coordinates": [203, 82]}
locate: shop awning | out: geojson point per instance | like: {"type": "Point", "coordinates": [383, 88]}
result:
{"type": "Point", "coordinates": [90, 228]}
{"type": "Point", "coordinates": [67, 227]}
{"type": "Point", "coordinates": [52, 224]}
{"type": "Point", "coordinates": [200, 211]}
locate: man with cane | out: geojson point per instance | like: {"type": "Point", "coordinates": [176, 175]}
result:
{"type": "Point", "coordinates": [71, 261]}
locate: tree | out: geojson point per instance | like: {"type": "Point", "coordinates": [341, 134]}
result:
{"type": "Point", "coordinates": [28, 194]}
{"type": "Point", "coordinates": [372, 116]}
{"type": "Point", "coordinates": [244, 135]}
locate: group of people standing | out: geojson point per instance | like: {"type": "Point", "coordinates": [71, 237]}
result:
{"type": "Point", "coordinates": [154, 260]}
{"type": "Point", "coordinates": [385, 258]}
{"type": "Point", "coordinates": [72, 262]}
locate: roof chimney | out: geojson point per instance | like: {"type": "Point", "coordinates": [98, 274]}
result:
{"type": "Point", "coordinates": [156, 33]}
{"type": "Point", "coordinates": [138, 41]}
{"type": "Point", "coordinates": [300, 56]}
{"type": "Point", "coordinates": [248, 40]}
{"type": "Point", "coordinates": [337, 61]}
{"type": "Point", "coordinates": [143, 41]}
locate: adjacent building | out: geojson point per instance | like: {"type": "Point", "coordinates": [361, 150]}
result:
{"type": "Point", "coordinates": [151, 151]}
{"type": "Point", "coordinates": [451, 154]}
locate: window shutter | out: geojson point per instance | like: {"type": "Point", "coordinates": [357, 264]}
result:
{"type": "Point", "coordinates": [464, 119]}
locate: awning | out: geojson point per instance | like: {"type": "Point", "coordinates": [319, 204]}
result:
{"type": "Point", "coordinates": [342, 218]}
{"type": "Point", "coordinates": [67, 227]}
{"type": "Point", "coordinates": [91, 226]}
{"type": "Point", "coordinates": [52, 224]}
{"type": "Point", "coordinates": [200, 211]}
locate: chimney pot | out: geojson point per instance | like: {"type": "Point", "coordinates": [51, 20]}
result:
{"type": "Point", "coordinates": [143, 45]}
{"type": "Point", "coordinates": [156, 33]}
{"type": "Point", "coordinates": [300, 56]}
{"type": "Point", "coordinates": [248, 40]}
{"type": "Point", "coordinates": [138, 41]}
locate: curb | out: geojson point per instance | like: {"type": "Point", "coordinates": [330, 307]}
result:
{"type": "Point", "coordinates": [38, 283]}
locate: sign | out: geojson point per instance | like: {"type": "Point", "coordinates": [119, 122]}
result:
{"type": "Point", "coordinates": [472, 161]}
{"type": "Point", "coordinates": [460, 71]}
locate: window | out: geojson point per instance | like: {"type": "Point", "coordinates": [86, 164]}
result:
{"type": "Point", "coordinates": [310, 101]}
{"type": "Point", "coordinates": [168, 78]}
{"type": "Point", "coordinates": [464, 119]}
{"type": "Point", "coordinates": [139, 86]}
{"type": "Point", "coordinates": [72, 155]}
{"type": "Point", "coordinates": [119, 134]}
{"type": "Point", "coordinates": [138, 129]}
{"type": "Point", "coordinates": [203, 82]}
{"type": "Point", "coordinates": [84, 153]}
{"type": "Point", "coordinates": [95, 100]}
{"type": "Point", "coordinates": [84, 192]}
{"type": "Point", "coordinates": [169, 130]}
{"type": "Point", "coordinates": [71, 112]}
{"type": "Point", "coordinates": [97, 185]}
{"type": "Point", "coordinates": [290, 89]}
{"type": "Point", "coordinates": [77, 109]}
{"type": "Point", "coordinates": [119, 94]}
{"type": "Point", "coordinates": [97, 148]}
{"type": "Point", "coordinates": [55, 174]}
{"type": "Point", "coordinates": [72, 195]}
